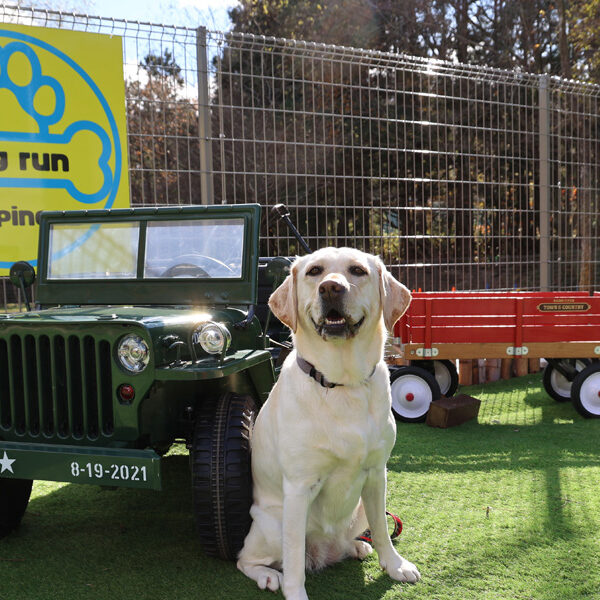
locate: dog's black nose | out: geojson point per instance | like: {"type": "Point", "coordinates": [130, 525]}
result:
{"type": "Point", "coordinates": [331, 290]}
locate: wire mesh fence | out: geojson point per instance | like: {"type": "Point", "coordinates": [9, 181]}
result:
{"type": "Point", "coordinates": [458, 176]}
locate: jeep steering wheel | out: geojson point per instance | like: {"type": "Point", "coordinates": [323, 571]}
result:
{"type": "Point", "coordinates": [190, 268]}
{"type": "Point", "coordinates": [184, 270]}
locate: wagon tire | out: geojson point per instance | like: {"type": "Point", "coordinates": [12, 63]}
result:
{"type": "Point", "coordinates": [557, 385]}
{"type": "Point", "coordinates": [413, 390]}
{"type": "Point", "coordinates": [444, 372]}
{"type": "Point", "coordinates": [585, 392]}
{"type": "Point", "coordinates": [221, 473]}
{"type": "Point", "coordinates": [14, 497]}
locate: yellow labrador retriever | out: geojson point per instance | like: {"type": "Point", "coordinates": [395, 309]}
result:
{"type": "Point", "coordinates": [322, 439]}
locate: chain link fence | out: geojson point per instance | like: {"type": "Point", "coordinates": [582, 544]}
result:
{"type": "Point", "coordinates": [458, 176]}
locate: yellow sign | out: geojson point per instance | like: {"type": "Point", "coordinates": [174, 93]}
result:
{"type": "Point", "coordinates": [63, 143]}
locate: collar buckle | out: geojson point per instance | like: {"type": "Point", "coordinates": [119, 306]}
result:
{"type": "Point", "coordinates": [310, 370]}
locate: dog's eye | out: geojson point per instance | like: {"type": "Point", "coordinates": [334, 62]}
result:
{"type": "Point", "coordinates": [358, 271]}
{"type": "Point", "coordinates": [316, 270]}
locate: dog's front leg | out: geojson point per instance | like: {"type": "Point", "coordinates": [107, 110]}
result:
{"type": "Point", "coordinates": [373, 497]}
{"type": "Point", "coordinates": [297, 497]}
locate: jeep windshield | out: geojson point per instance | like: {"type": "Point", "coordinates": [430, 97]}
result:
{"type": "Point", "coordinates": [184, 249]}
{"type": "Point", "coordinates": [174, 255]}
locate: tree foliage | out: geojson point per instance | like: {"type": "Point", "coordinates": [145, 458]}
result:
{"type": "Point", "coordinates": [163, 134]}
{"type": "Point", "coordinates": [497, 33]}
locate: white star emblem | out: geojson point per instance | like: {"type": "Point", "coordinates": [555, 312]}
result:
{"type": "Point", "coordinates": [6, 463]}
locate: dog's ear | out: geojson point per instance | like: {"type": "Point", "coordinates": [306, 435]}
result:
{"type": "Point", "coordinates": [284, 302]}
{"type": "Point", "coordinates": [395, 297]}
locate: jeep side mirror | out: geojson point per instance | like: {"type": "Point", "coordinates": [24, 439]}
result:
{"type": "Point", "coordinates": [22, 275]}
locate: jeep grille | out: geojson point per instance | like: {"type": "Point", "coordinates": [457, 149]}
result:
{"type": "Point", "coordinates": [56, 386]}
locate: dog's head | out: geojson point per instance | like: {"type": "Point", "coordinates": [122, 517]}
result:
{"type": "Point", "coordinates": [337, 292]}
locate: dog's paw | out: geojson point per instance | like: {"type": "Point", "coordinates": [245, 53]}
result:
{"type": "Point", "coordinates": [400, 569]}
{"type": "Point", "coordinates": [297, 594]}
{"type": "Point", "coordinates": [268, 579]}
{"type": "Point", "coordinates": [361, 549]}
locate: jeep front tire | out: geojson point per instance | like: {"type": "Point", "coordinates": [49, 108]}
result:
{"type": "Point", "coordinates": [221, 473]}
{"type": "Point", "coordinates": [14, 497]}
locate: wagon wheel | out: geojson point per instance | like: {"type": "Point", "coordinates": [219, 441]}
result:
{"type": "Point", "coordinates": [556, 384]}
{"type": "Point", "coordinates": [585, 391]}
{"type": "Point", "coordinates": [413, 391]}
{"type": "Point", "coordinates": [14, 497]}
{"type": "Point", "coordinates": [445, 374]}
{"type": "Point", "coordinates": [221, 474]}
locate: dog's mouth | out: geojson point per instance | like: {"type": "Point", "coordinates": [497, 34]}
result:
{"type": "Point", "coordinates": [334, 324]}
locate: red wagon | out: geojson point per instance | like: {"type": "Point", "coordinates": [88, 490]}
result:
{"type": "Point", "coordinates": [439, 327]}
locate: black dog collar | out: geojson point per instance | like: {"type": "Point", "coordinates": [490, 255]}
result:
{"type": "Point", "coordinates": [318, 376]}
{"type": "Point", "coordinates": [312, 372]}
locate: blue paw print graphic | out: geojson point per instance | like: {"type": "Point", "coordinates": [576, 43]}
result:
{"type": "Point", "coordinates": [26, 97]}
{"type": "Point", "coordinates": [25, 94]}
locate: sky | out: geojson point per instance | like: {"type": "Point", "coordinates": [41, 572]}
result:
{"type": "Point", "coordinates": [211, 14]}
{"type": "Point", "coordinates": [191, 13]}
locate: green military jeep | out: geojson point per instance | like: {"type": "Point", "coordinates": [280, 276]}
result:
{"type": "Point", "coordinates": [145, 333]}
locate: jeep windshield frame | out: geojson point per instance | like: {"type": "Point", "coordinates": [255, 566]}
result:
{"type": "Point", "coordinates": [172, 255]}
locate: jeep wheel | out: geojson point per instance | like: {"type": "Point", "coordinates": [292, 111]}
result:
{"type": "Point", "coordinates": [14, 496]}
{"type": "Point", "coordinates": [221, 473]}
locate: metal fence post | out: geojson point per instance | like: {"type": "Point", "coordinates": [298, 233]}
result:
{"type": "Point", "coordinates": [544, 183]}
{"type": "Point", "coordinates": [204, 129]}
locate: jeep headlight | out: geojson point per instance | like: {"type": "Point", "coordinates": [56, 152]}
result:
{"type": "Point", "coordinates": [214, 338]}
{"type": "Point", "coordinates": [133, 353]}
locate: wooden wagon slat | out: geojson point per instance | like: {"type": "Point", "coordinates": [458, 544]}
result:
{"type": "Point", "coordinates": [506, 320]}
{"type": "Point", "coordinates": [508, 334]}
{"type": "Point", "coordinates": [498, 350]}
{"type": "Point", "coordinates": [502, 295]}
{"type": "Point", "coordinates": [448, 320]}
{"type": "Point", "coordinates": [551, 320]}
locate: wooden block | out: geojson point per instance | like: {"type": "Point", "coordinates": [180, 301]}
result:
{"type": "Point", "coordinates": [482, 370]}
{"type": "Point", "coordinates": [534, 365]}
{"type": "Point", "coordinates": [448, 412]}
{"type": "Point", "coordinates": [475, 366]}
{"type": "Point", "coordinates": [521, 366]}
{"type": "Point", "coordinates": [506, 368]}
{"type": "Point", "coordinates": [465, 372]}
{"type": "Point", "coordinates": [492, 369]}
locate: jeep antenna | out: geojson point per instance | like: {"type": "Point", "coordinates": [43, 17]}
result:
{"type": "Point", "coordinates": [281, 212]}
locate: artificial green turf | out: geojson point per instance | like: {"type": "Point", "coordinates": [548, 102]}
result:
{"type": "Point", "coordinates": [506, 507]}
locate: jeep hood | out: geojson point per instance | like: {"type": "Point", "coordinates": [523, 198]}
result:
{"type": "Point", "coordinates": [149, 316]}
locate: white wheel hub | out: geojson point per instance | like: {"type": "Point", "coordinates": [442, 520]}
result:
{"type": "Point", "coordinates": [411, 396]}
{"type": "Point", "coordinates": [589, 394]}
{"type": "Point", "coordinates": [442, 376]}
{"type": "Point", "coordinates": [560, 384]}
